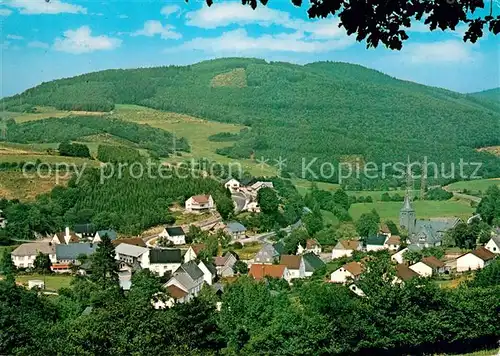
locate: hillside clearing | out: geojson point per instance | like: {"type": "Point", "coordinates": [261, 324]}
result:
{"type": "Point", "coordinates": [474, 186]}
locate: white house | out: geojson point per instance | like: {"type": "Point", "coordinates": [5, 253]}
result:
{"type": "Point", "coordinates": [259, 185]}
{"type": "Point", "coordinates": [193, 252]}
{"type": "Point", "coordinates": [253, 207]}
{"type": "Point", "coordinates": [162, 261]}
{"type": "Point", "coordinates": [99, 234]}
{"type": "Point", "coordinates": [209, 272]}
{"type": "Point", "coordinates": [175, 234]}
{"type": "Point", "coordinates": [345, 248]}
{"type": "Point", "coordinates": [131, 254]}
{"type": "Point", "coordinates": [428, 266]}
{"type": "Point", "coordinates": [189, 278]}
{"type": "Point", "coordinates": [351, 270]}
{"type": "Point", "coordinates": [295, 265]}
{"type": "Point", "coordinates": [200, 204]}
{"type": "Point", "coordinates": [393, 243]}
{"type": "Point", "coordinates": [477, 259]}
{"type": "Point", "coordinates": [376, 243]}
{"type": "Point", "coordinates": [24, 255]}
{"type": "Point", "coordinates": [310, 246]}
{"type": "Point", "coordinates": [398, 257]}
{"type": "Point", "coordinates": [233, 185]}
{"type": "Point", "coordinates": [493, 244]}
{"type": "Point", "coordinates": [65, 237]}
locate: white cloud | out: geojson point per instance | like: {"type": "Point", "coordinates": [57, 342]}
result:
{"type": "Point", "coordinates": [225, 14]}
{"type": "Point", "coordinates": [33, 7]}
{"type": "Point", "coordinates": [5, 12]}
{"type": "Point", "coordinates": [450, 51]}
{"type": "Point", "coordinates": [38, 44]}
{"type": "Point", "coordinates": [152, 28]}
{"type": "Point", "coordinates": [123, 16]}
{"type": "Point", "coordinates": [239, 42]}
{"type": "Point", "coordinates": [169, 10]}
{"type": "Point", "coordinates": [15, 37]}
{"type": "Point", "coordinates": [81, 41]}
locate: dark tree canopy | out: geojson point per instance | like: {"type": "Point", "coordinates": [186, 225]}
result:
{"type": "Point", "coordinates": [387, 21]}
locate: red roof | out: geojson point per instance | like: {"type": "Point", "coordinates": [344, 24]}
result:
{"type": "Point", "coordinates": [201, 199]}
{"type": "Point", "coordinates": [175, 292]}
{"type": "Point", "coordinates": [355, 268]}
{"type": "Point", "coordinates": [259, 271]}
{"type": "Point", "coordinates": [136, 241]}
{"type": "Point", "coordinates": [393, 240]}
{"type": "Point", "coordinates": [311, 243]}
{"type": "Point", "coordinates": [483, 254]}
{"type": "Point", "coordinates": [291, 261]}
{"type": "Point", "coordinates": [197, 248]}
{"type": "Point", "coordinates": [385, 229]}
{"type": "Point", "coordinates": [350, 244]}
{"type": "Point", "coordinates": [433, 262]}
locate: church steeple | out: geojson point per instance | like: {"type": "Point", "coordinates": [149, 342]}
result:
{"type": "Point", "coordinates": [407, 215]}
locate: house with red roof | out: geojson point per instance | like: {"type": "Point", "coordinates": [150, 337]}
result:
{"type": "Point", "coordinates": [477, 259]}
{"type": "Point", "coordinates": [260, 271]}
{"type": "Point", "coordinates": [200, 204]}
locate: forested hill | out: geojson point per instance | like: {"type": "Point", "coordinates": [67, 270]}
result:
{"type": "Point", "coordinates": [326, 110]}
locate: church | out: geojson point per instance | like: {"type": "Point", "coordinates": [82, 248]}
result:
{"type": "Point", "coordinates": [424, 233]}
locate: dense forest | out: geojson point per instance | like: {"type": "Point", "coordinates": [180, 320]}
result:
{"type": "Point", "coordinates": [156, 140]}
{"type": "Point", "coordinates": [330, 111]}
{"type": "Point", "coordinates": [95, 317]}
{"type": "Point", "coordinates": [126, 201]}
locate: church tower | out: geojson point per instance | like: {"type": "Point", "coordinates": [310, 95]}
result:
{"type": "Point", "coordinates": [407, 215]}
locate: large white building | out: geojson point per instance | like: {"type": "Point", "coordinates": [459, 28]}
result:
{"type": "Point", "coordinates": [200, 204]}
{"type": "Point", "coordinates": [24, 255]}
{"type": "Point", "coordinates": [477, 259]}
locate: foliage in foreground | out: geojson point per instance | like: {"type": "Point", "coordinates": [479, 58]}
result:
{"type": "Point", "coordinates": [311, 317]}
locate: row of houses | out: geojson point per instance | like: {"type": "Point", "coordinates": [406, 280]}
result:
{"type": "Point", "coordinates": [177, 236]}
{"type": "Point", "coordinates": [289, 267]}
{"type": "Point", "coordinates": [426, 267]}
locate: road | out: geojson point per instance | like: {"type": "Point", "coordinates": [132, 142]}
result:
{"type": "Point", "coordinates": [463, 196]}
{"type": "Point", "coordinates": [239, 201]}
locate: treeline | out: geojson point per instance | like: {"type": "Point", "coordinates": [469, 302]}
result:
{"type": "Point", "coordinates": [322, 112]}
{"type": "Point", "coordinates": [310, 317]}
{"type": "Point", "coordinates": [73, 149]}
{"type": "Point", "coordinates": [159, 141]}
{"type": "Point", "coordinates": [111, 198]}
{"type": "Point", "coordinates": [224, 137]}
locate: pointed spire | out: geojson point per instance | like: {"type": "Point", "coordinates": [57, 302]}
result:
{"type": "Point", "coordinates": [407, 203]}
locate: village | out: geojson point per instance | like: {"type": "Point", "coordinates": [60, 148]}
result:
{"type": "Point", "coordinates": [186, 270]}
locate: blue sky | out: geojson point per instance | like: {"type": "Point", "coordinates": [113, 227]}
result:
{"type": "Point", "coordinates": [43, 41]}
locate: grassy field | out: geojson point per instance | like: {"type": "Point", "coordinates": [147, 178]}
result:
{"type": "Point", "coordinates": [474, 186]}
{"type": "Point", "coordinates": [8, 248]}
{"type": "Point", "coordinates": [195, 130]}
{"type": "Point", "coordinates": [14, 185]}
{"type": "Point", "coordinates": [329, 218]}
{"type": "Point", "coordinates": [248, 251]}
{"type": "Point", "coordinates": [52, 282]}
{"type": "Point", "coordinates": [303, 185]}
{"type": "Point", "coordinates": [425, 209]}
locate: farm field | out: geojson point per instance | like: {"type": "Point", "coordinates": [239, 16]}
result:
{"type": "Point", "coordinates": [52, 281]}
{"type": "Point", "coordinates": [425, 209]}
{"type": "Point", "coordinates": [474, 186]}
{"type": "Point", "coordinates": [195, 130]}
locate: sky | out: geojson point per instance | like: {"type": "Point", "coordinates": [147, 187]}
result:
{"type": "Point", "coordinates": [42, 41]}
